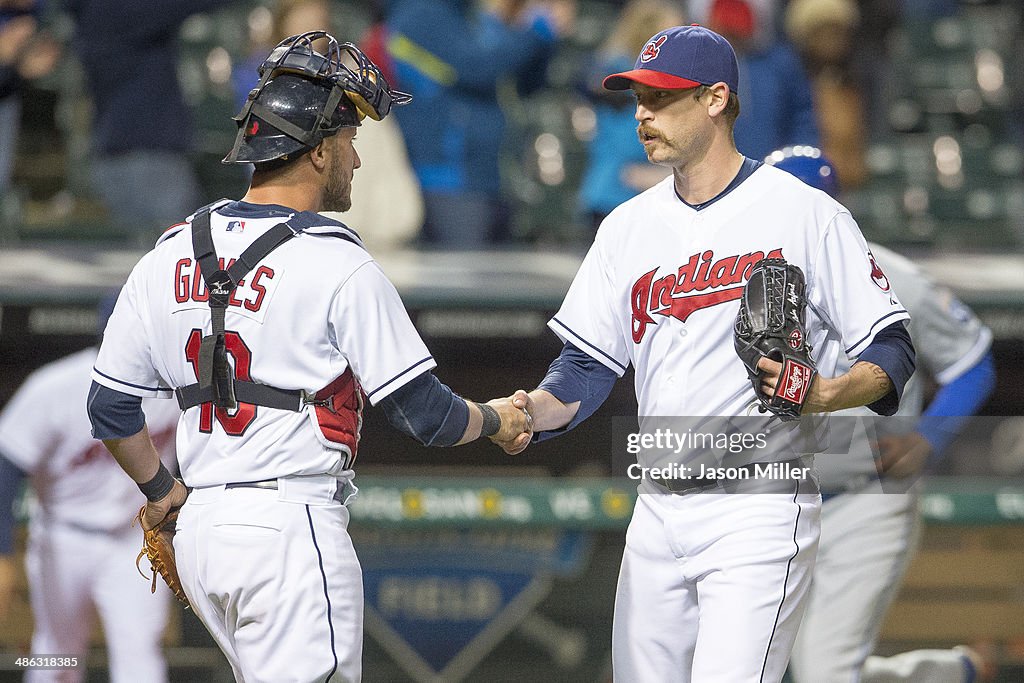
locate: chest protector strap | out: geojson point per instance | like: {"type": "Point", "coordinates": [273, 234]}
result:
{"type": "Point", "coordinates": [217, 383]}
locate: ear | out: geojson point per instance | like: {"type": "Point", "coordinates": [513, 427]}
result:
{"type": "Point", "coordinates": [318, 155]}
{"type": "Point", "coordinates": [718, 97]}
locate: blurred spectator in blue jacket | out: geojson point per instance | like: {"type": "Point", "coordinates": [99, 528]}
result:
{"type": "Point", "coordinates": [452, 60]}
{"type": "Point", "coordinates": [25, 53]}
{"type": "Point", "coordinates": [778, 109]}
{"type": "Point", "coordinates": [617, 166]}
{"type": "Point", "coordinates": [142, 128]}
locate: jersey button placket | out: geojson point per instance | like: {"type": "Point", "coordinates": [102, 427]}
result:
{"type": "Point", "coordinates": [682, 342]}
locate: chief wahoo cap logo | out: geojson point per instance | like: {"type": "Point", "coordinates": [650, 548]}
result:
{"type": "Point", "coordinates": [877, 275]}
{"type": "Point", "coordinates": [652, 49]}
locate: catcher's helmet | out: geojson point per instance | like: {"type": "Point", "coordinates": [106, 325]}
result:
{"type": "Point", "coordinates": [303, 97]}
{"type": "Point", "coordinates": [808, 164]}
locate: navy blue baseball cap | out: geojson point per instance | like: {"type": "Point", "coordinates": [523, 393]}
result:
{"type": "Point", "coordinates": [681, 57]}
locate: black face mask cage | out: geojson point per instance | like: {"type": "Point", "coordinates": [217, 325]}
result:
{"type": "Point", "coordinates": [353, 93]}
{"type": "Point", "coordinates": [364, 85]}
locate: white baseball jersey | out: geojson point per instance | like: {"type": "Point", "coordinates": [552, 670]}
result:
{"type": "Point", "coordinates": [314, 309]}
{"type": "Point", "coordinates": [660, 289]}
{"type": "Point", "coordinates": [45, 431]}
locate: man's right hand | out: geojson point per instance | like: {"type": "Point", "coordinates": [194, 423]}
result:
{"type": "Point", "coordinates": [516, 413]}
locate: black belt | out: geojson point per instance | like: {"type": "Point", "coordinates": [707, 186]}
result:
{"type": "Point", "coordinates": [265, 484]}
{"type": "Point", "coordinates": [745, 475]}
{"type": "Point", "coordinates": [272, 484]}
{"type": "Point", "coordinates": [691, 485]}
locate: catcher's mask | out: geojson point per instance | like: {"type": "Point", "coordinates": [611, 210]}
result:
{"type": "Point", "coordinates": [303, 97]}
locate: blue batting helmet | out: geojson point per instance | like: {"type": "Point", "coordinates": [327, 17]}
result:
{"type": "Point", "coordinates": [808, 164]}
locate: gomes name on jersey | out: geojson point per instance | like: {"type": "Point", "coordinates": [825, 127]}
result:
{"type": "Point", "coordinates": [701, 272]}
{"type": "Point", "coordinates": [189, 285]}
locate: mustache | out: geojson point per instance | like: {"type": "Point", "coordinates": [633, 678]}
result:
{"type": "Point", "coordinates": [642, 132]}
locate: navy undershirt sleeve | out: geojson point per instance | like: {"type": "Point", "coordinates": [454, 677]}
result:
{"type": "Point", "coordinates": [576, 376]}
{"type": "Point", "coordinates": [891, 350]}
{"type": "Point", "coordinates": [114, 414]}
{"type": "Point", "coordinates": [428, 411]}
{"type": "Point", "coordinates": [11, 478]}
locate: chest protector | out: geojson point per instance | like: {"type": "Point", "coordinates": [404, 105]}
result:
{"type": "Point", "coordinates": [337, 408]}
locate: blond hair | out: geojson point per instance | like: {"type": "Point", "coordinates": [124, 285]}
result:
{"type": "Point", "coordinates": [287, 12]}
{"type": "Point", "coordinates": [638, 21]}
{"type": "Point", "coordinates": [804, 17]}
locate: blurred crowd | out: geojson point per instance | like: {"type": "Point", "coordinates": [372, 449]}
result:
{"type": "Point", "coordinates": [510, 139]}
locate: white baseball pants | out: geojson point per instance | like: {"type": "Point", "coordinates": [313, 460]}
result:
{"type": "Point", "coordinates": [274, 577]}
{"type": "Point", "coordinates": [712, 586]}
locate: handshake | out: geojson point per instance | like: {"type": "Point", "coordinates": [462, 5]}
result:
{"type": "Point", "coordinates": [515, 414]}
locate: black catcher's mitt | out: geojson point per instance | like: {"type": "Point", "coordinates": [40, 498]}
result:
{"type": "Point", "coordinates": [771, 323]}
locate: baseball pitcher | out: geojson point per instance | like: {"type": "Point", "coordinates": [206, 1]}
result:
{"type": "Point", "coordinates": [701, 283]}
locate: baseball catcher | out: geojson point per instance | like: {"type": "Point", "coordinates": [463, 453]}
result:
{"type": "Point", "coordinates": [770, 323]}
